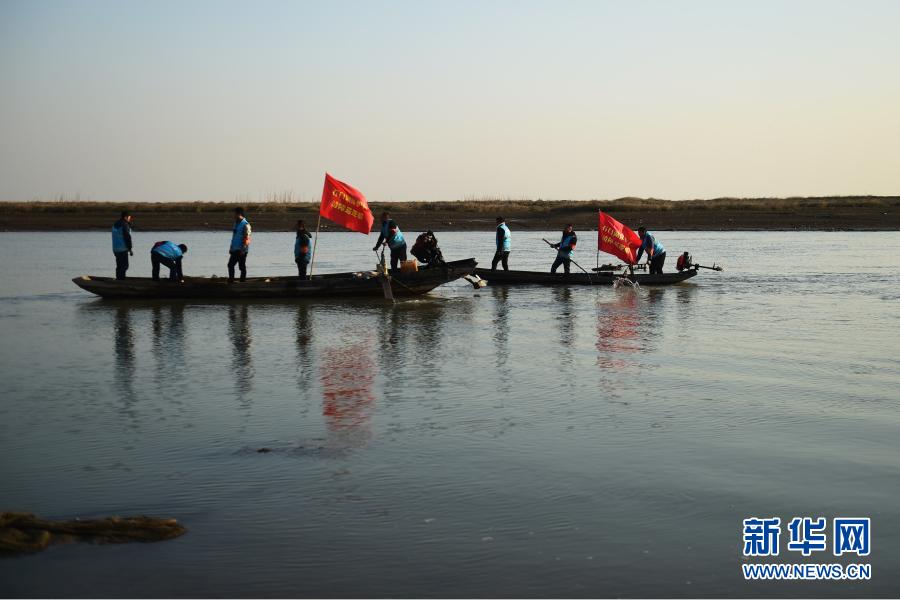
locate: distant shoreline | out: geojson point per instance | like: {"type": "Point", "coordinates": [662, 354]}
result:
{"type": "Point", "coordinates": [846, 213]}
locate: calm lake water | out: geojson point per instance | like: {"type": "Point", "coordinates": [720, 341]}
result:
{"type": "Point", "coordinates": [505, 442]}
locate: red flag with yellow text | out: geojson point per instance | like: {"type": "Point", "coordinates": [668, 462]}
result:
{"type": "Point", "coordinates": [617, 239]}
{"type": "Point", "coordinates": [346, 206]}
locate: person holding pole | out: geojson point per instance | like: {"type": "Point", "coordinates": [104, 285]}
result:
{"type": "Point", "coordinates": [564, 247]}
{"type": "Point", "coordinates": [393, 237]}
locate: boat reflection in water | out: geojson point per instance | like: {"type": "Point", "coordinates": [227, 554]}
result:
{"type": "Point", "coordinates": [628, 324]}
{"type": "Point", "coordinates": [170, 352]}
{"type": "Point", "coordinates": [408, 337]}
{"type": "Point", "coordinates": [124, 370]}
{"type": "Point", "coordinates": [501, 337]}
{"type": "Point", "coordinates": [241, 342]}
{"type": "Point", "coordinates": [305, 359]}
{"type": "Point", "coordinates": [617, 329]}
{"type": "Point", "coordinates": [565, 315]}
{"type": "Point", "coordinates": [347, 374]}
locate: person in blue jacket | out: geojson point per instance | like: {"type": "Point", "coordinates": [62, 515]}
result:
{"type": "Point", "coordinates": [169, 254]}
{"type": "Point", "coordinates": [302, 249]}
{"type": "Point", "coordinates": [656, 252]}
{"type": "Point", "coordinates": [393, 237]}
{"type": "Point", "coordinates": [503, 245]}
{"type": "Point", "coordinates": [240, 245]}
{"type": "Point", "coordinates": [564, 248]}
{"type": "Point", "coordinates": [121, 243]}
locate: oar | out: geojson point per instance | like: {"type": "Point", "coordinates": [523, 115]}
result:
{"type": "Point", "coordinates": [381, 267]}
{"type": "Point", "coordinates": [574, 263]}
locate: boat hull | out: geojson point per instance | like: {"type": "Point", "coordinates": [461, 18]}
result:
{"type": "Point", "coordinates": [364, 283]}
{"type": "Point", "coordinates": [597, 278]}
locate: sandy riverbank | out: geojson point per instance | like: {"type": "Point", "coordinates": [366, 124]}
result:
{"type": "Point", "coordinates": [862, 213]}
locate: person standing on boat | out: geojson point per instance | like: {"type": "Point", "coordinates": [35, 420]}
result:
{"type": "Point", "coordinates": [393, 237]}
{"type": "Point", "coordinates": [121, 243]}
{"type": "Point", "coordinates": [564, 248]}
{"type": "Point", "coordinates": [169, 254]}
{"type": "Point", "coordinates": [240, 245]}
{"type": "Point", "coordinates": [385, 220]}
{"type": "Point", "coordinates": [656, 252]}
{"type": "Point", "coordinates": [503, 245]}
{"type": "Point", "coordinates": [302, 249]}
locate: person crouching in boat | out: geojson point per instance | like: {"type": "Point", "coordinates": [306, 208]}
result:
{"type": "Point", "coordinates": [656, 252]}
{"type": "Point", "coordinates": [167, 253]}
{"type": "Point", "coordinates": [121, 243]}
{"type": "Point", "coordinates": [302, 249]}
{"type": "Point", "coordinates": [240, 245]}
{"type": "Point", "coordinates": [393, 237]}
{"type": "Point", "coordinates": [564, 248]}
{"type": "Point", "coordinates": [426, 249]}
{"type": "Point", "coordinates": [503, 246]}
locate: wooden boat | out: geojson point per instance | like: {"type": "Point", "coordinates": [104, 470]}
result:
{"type": "Point", "coordinates": [363, 283]}
{"type": "Point", "coordinates": [500, 277]}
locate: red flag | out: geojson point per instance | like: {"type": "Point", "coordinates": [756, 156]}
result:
{"type": "Point", "coordinates": [346, 206]}
{"type": "Point", "coordinates": [617, 239]}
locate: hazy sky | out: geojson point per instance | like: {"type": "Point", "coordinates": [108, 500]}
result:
{"type": "Point", "coordinates": [423, 100]}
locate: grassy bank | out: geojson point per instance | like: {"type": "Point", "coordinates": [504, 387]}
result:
{"type": "Point", "coordinates": [866, 213]}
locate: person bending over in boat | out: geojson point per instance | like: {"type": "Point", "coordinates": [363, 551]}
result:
{"type": "Point", "coordinates": [656, 252]}
{"type": "Point", "coordinates": [302, 249]}
{"type": "Point", "coordinates": [240, 245]}
{"type": "Point", "coordinates": [503, 244]}
{"type": "Point", "coordinates": [564, 248]}
{"type": "Point", "coordinates": [167, 253]}
{"type": "Point", "coordinates": [426, 249]}
{"type": "Point", "coordinates": [121, 243]}
{"type": "Point", "coordinates": [393, 237]}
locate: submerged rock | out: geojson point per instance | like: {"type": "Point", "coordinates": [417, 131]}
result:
{"type": "Point", "coordinates": [22, 533]}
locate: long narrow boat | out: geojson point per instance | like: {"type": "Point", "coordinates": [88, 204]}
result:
{"type": "Point", "coordinates": [499, 277]}
{"type": "Point", "coordinates": [363, 283]}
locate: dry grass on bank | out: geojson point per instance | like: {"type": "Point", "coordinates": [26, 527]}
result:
{"type": "Point", "coordinates": [471, 205]}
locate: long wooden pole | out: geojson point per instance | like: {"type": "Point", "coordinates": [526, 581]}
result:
{"type": "Point", "coordinates": [312, 261]}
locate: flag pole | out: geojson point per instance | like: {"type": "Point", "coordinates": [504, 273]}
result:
{"type": "Point", "coordinates": [312, 260]}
